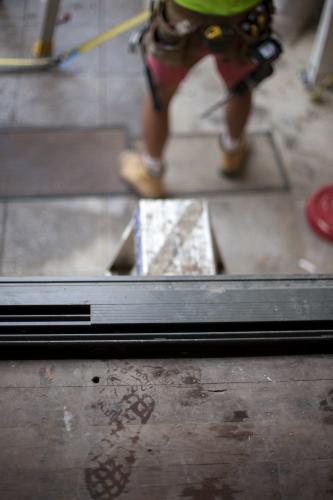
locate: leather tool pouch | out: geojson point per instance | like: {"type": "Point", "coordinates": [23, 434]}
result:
{"type": "Point", "coordinates": [176, 35]}
{"type": "Point", "coordinates": [169, 38]}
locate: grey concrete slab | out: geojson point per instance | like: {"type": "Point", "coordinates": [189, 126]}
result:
{"type": "Point", "coordinates": [258, 234]}
{"type": "Point", "coordinates": [308, 170]}
{"type": "Point", "coordinates": [309, 150]}
{"type": "Point", "coordinates": [118, 10]}
{"type": "Point", "coordinates": [10, 41]}
{"type": "Point", "coordinates": [2, 208]}
{"type": "Point", "coordinates": [58, 99]}
{"type": "Point", "coordinates": [3, 216]}
{"type": "Point", "coordinates": [11, 12]}
{"type": "Point", "coordinates": [317, 252]}
{"type": "Point", "coordinates": [33, 14]}
{"type": "Point", "coordinates": [8, 89]}
{"type": "Point", "coordinates": [84, 13]}
{"type": "Point", "coordinates": [118, 61]}
{"type": "Point", "coordinates": [122, 103]}
{"type": "Point", "coordinates": [10, 46]}
{"type": "Point", "coordinates": [192, 167]}
{"type": "Point", "coordinates": [73, 237]}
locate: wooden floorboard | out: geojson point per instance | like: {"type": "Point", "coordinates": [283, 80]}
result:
{"type": "Point", "coordinates": [167, 429]}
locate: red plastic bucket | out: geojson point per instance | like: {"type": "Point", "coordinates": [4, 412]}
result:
{"type": "Point", "coordinates": [319, 212]}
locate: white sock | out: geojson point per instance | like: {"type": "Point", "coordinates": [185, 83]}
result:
{"type": "Point", "coordinates": [153, 165]}
{"type": "Point", "coordinates": [230, 145]}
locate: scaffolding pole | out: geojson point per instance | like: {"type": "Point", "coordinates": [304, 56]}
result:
{"type": "Point", "coordinates": [320, 69]}
{"type": "Point", "coordinates": [43, 46]}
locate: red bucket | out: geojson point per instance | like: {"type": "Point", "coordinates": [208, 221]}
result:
{"type": "Point", "coordinates": [319, 212]}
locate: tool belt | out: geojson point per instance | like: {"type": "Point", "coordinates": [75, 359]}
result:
{"type": "Point", "coordinates": [176, 35]}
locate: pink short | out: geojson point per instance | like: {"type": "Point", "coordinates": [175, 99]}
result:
{"type": "Point", "coordinates": [231, 72]}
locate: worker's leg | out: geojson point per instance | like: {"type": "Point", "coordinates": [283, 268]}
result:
{"type": "Point", "coordinates": [237, 112]}
{"type": "Point", "coordinates": [156, 123]}
{"type": "Point", "coordinates": [144, 172]}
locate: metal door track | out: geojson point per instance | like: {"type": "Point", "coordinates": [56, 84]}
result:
{"type": "Point", "coordinates": [162, 316]}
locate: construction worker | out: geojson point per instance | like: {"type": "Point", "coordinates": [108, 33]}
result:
{"type": "Point", "coordinates": [181, 33]}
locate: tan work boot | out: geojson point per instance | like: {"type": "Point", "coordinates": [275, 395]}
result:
{"type": "Point", "coordinates": [232, 163]}
{"type": "Point", "coordinates": [135, 174]}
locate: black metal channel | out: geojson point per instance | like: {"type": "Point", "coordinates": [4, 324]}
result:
{"type": "Point", "coordinates": [166, 317]}
{"type": "Point", "coordinates": [43, 313]}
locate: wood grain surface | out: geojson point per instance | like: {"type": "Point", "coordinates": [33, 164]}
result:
{"type": "Point", "coordinates": [167, 429]}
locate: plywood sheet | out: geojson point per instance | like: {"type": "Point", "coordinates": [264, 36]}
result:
{"type": "Point", "coordinates": [60, 162]}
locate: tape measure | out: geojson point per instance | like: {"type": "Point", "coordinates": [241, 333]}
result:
{"type": "Point", "coordinates": [213, 32]}
{"type": "Point", "coordinates": [216, 37]}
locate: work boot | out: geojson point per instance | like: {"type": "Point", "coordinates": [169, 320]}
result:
{"type": "Point", "coordinates": [135, 174]}
{"type": "Point", "coordinates": [233, 162]}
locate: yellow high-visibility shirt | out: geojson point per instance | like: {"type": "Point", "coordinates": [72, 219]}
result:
{"type": "Point", "coordinates": [218, 7]}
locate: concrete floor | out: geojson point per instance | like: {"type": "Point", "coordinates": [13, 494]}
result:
{"type": "Point", "coordinates": [105, 87]}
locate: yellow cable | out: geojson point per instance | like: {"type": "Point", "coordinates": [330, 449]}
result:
{"type": "Point", "coordinates": [24, 63]}
{"type": "Point", "coordinates": [113, 32]}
